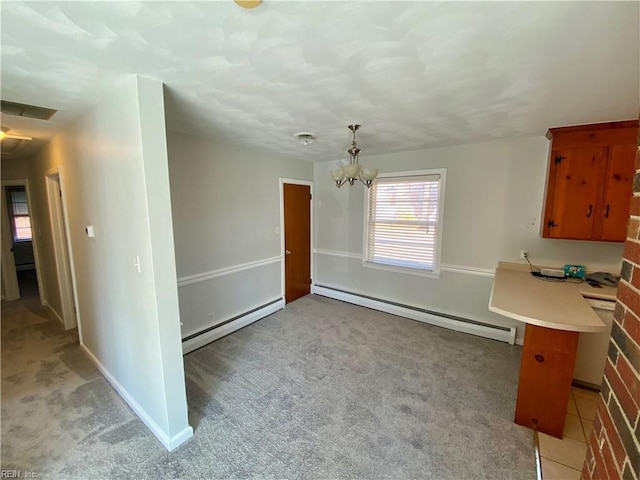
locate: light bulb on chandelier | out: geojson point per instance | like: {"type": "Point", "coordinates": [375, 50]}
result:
{"type": "Point", "coordinates": [354, 171]}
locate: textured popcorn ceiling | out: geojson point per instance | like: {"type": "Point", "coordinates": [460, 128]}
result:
{"type": "Point", "coordinates": [415, 74]}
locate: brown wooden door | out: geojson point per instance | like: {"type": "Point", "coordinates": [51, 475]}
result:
{"type": "Point", "coordinates": [618, 192]}
{"type": "Point", "coordinates": [576, 182]}
{"type": "Point", "coordinates": [297, 241]}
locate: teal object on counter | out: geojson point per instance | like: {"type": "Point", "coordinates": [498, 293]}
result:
{"type": "Point", "coordinates": [575, 271]}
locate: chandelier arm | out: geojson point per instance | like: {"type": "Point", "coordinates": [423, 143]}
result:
{"type": "Point", "coordinates": [364, 182]}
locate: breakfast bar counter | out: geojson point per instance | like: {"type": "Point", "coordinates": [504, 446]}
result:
{"type": "Point", "coordinates": [555, 312]}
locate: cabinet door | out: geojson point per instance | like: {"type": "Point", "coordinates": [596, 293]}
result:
{"type": "Point", "coordinates": [573, 191]}
{"type": "Point", "coordinates": [618, 190]}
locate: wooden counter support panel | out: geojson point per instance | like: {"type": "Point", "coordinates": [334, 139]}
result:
{"type": "Point", "coordinates": [554, 313]}
{"type": "Point", "coordinates": [546, 370]}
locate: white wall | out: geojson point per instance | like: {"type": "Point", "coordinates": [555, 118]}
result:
{"type": "Point", "coordinates": [493, 204]}
{"type": "Point", "coordinates": [115, 175]}
{"type": "Point", "coordinates": [226, 209]}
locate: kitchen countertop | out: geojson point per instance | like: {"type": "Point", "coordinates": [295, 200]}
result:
{"type": "Point", "coordinates": [560, 305]}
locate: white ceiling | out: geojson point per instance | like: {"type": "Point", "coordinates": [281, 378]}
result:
{"type": "Point", "coordinates": [414, 74]}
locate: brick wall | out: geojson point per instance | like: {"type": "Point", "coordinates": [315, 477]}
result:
{"type": "Point", "coordinates": [614, 445]}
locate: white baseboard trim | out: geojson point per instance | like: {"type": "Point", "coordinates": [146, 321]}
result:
{"type": "Point", "coordinates": [180, 437]}
{"type": "Point", "coordinates": [168, 442]}
{"type": "Point", "coordinates": [54, 313]}
{"type": "Point", "coordinates": [497, 333]}
{"type": "Point", "coordinates": [242, 321]}
{"type": "Point", "coordinates": [203, 277]}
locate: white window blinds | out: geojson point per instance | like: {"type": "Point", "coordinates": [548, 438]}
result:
{"type": "Point", "coordinates": [403, 222]}
{"type": "Point", "coordinates": [19, 214]}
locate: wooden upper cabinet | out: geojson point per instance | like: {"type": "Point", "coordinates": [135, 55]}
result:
{"type": "Point", "coordinates": [577, 176]}
{"type": "Point", "coordinates": [618, 190]}
{"type": "Point", "coordinates": [590, 181]}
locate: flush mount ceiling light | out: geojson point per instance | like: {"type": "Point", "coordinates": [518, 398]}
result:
{"type": "Point", "coordinates": [305, 138]}
{"type": "Point", "coordinates": [6, 133]}
{"type": "Point", "coordinates": [248, 3]}
{"type": "Point", "coordinates": [354, 171]}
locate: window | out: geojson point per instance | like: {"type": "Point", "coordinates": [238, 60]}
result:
{"type": "Point", "coordinates": [404, 221]}
{"type": "Point", "coordinates": [19, 214]}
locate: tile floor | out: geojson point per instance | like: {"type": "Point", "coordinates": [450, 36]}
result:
{"type": "Point", "coordinates": [563, 459]}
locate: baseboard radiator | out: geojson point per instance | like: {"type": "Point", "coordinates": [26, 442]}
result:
{"type": "Point", "coordinates": [208, 334]}
{"type": "Point", "coordinates": [452, 322]}
{"type": "Point", "coordinates": [25, 266]}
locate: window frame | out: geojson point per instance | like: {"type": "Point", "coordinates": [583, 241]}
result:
{"type": "Point", "coordinates": [435, 272]}
{"type": "Point", "coordinates": [10, 207]}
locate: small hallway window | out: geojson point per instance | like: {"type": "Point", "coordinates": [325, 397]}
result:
{"type": "Point", "coordinates": [19, 214]}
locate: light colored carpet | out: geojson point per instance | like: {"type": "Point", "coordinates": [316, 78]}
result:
{"type": "Point", "coordinates": [321, 389]}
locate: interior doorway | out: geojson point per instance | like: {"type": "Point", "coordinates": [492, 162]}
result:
{"type": "Point", "coordinates": [297, 209]}
{"type": "Point", "coordinates": [61, 248]}
{"type": "Point", "coordinates": [20, 266]}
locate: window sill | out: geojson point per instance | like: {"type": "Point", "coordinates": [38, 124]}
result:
{"type": "Point", "coordinates": [405, 270]}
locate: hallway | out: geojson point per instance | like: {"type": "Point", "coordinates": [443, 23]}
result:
{"type": "Point", "coordinates": [56, 407]}
{"type": "Point", "coordinates": [28, 284]}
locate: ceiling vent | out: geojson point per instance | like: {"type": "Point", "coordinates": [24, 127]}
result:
{"type": "Point", "coordinates": [22, 110]}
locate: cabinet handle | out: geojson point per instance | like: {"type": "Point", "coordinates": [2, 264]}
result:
{"type": "Point", "coordinates": [606, 211]}
{"type": "Point", "coordinates": [539, 358]}
{"type": "Point", "coordinates": [589, 211]}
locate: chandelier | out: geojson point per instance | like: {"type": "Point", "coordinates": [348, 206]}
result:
{"type": "Point", "coordinates": [354, 171]}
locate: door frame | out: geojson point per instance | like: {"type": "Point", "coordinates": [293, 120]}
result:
{"type": "Point", "coordinates": [62, 251]}
{"type": "Point", "coordinates": [9, 274]}
{"type": "Point", "coordinates": [34, 234]}
{"type": "Point", "coordinates": [309, 183]}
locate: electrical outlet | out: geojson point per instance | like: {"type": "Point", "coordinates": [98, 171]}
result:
{"type": "Point", "coordinates": [211, 317]}
{"type": "Point", "coordinates": [524, 254]}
